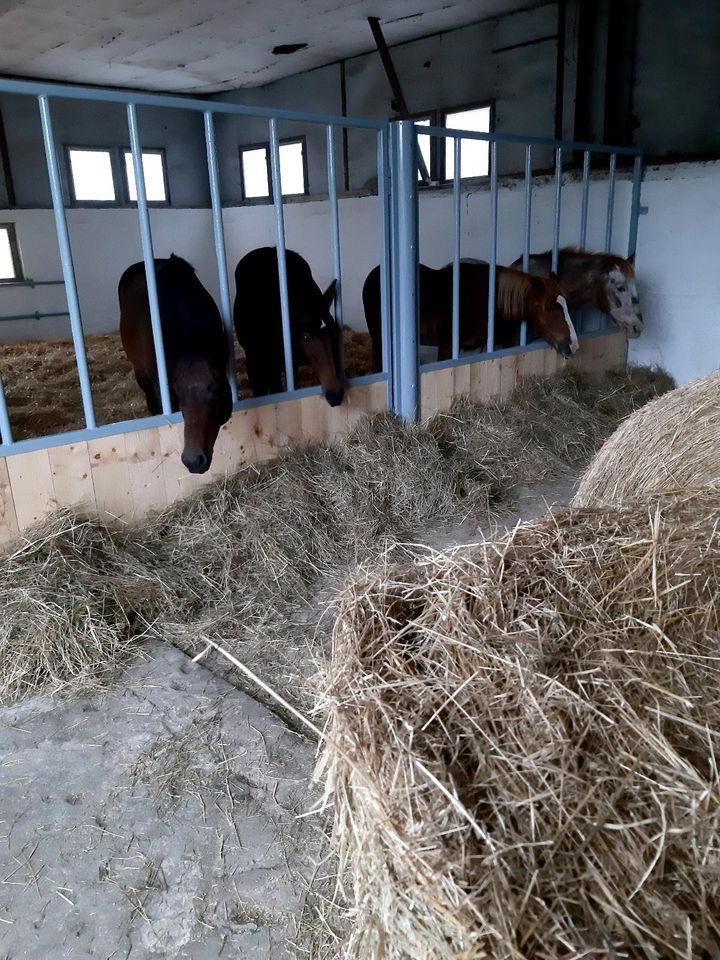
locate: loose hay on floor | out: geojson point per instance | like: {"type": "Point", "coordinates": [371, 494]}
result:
{"type": "Point", "coordinates": [670, 444]}
{"type": "Point", "coordinates": [522, 742]}
{"type": "Point", "coordinates": [248, 560]}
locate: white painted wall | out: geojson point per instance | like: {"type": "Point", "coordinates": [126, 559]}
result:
{"type": "Point", "coordinates": [676, 259]}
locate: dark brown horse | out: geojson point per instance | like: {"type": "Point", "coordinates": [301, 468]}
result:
{"type": "Point", "coordinates": [315, 335]}
{"type": "Point", "coordinates": [196, 352]}
{"type": "Point", "coordinates": [518, 296]}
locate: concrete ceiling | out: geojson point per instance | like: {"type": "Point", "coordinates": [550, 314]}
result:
{"type": "Point", "coordinates": [204, 46]}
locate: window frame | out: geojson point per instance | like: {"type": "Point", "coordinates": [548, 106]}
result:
{"type": "Point", "coordinates": [91, 148]}
{"type": "Point", "coordinates": [265, 145]}
{"type": "Point", "coordinates": [119, 176]}
{"type": "Point", "coordinates": [156, 151]}
{"type": "Point", "coordinates": [438, 145]}
{"type": "Point", "coordinates": [19, 274]}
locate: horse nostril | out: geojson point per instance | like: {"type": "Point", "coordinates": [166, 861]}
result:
{"type": "Point", "coordinates": [334, 397]}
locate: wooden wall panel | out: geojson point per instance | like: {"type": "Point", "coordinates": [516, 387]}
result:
{"type": "Point", "coordinates": [127, 476]}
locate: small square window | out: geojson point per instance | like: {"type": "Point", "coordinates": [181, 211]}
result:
{"type": "Point", "coordinates": [153, 163]}
{"type": "Point", "coordinates": [475, 154]}
{"type": "Point", "coordinates": [10, 265]}
{"type": "Point", "coordinates": [256, 172]}
{"type": "Point", "coordinates": [91, 176]}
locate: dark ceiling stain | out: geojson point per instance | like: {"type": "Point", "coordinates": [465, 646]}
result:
{"type": "Point", "coordinates": [285, 48]}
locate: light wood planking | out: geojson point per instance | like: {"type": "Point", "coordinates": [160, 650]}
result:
{"type": "Point", "coordinates": [72, 476]}
{"type": "Point", "coordinates": [32, 486]}
{"type": "Point", "coordinates": [144, 465]}
{"type": "Point", "coordinates": [8, 519]}
{"type": "Point", "coordinates": [111, 477]}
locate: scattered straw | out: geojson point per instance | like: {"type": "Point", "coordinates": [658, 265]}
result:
{"type": "Point", "coordinates": [671, 444]}
{"type": "Point", "coordinates": [535, 725]}
{"type": "Point", "coordinates": [246, 561]}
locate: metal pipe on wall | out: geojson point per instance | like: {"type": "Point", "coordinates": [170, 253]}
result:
{"type": "Point", "coordinates": [6, 436]}
{"type": "Point", "coordinates": [528, 228]}
{"type": "Point", "coordinates": [385, 218]}
{"type": "Point", "coordinates": [281, 257]}
{"type": "Point", "coordinates": [149, 258]}
{"type": "Point", "coordinates": [635, 206]}
{"type": "Point", "coordinates": [585, 199]}
{"type": "Point", "coordinates": [611, 201]}
{"type": "Point", "coordinates": [558, 200]}
{"type": "Point", "coordinates": [220, 254]}
{"type": "Point", "coordinates": [66, 261]}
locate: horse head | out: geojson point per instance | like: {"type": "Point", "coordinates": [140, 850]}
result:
{"type": "Point", "coordinates": [549, 315]}
{"type": "Point", "coordinates": [204, 398]}
{"type": "Point", "coordinates": [618, 296]}
{"type": "Point", "coordinates": [320, 342]}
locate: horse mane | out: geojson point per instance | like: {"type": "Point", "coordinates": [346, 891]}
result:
{"type": "Point", "coordinates": [515, 291]}
{"type": "Point", "coordinates": [608, 260]}
{"type": "Point", "coordinates": [179, 264]}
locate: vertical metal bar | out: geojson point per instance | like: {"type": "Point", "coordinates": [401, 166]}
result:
{"type": "Point", "coordinates": [585, 198]}
{"type": "Point", "coordinates": [456, 252]}
{"type": "Point", "coordinates": [405, 269]}
{"type": "Point", "coordinates": [281, 258]}
{"type": "Point", "coordinates": [220, 255]}
{"type": "Point", "coordinates": [149, 258]}
{"type": "Point", "coordinates": [5, 428]}
{"type": "Point", "coordinates": [558, 198]}
{"type": "Point", "coordinates": [611, 201]}
{"type": "Point", "coordinates": [334, 221]}
{"type": "Point", "coordinates": [528, 228]}
{"type": "Point", "coordinates": [493, 247]}
{"type": "Point", "coordinates": [635, 206]}
{"type": "Point", "coordinates": [66, 262]}
{"type": "Point", "coordinates": [383, 166]}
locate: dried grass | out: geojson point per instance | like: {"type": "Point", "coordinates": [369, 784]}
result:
{"type": "Point", "coordinates": [522, 742]}
{"type": "Point", "coordinates": [670, 444]}
{"type": "Point", "coordinates": [249, 561]}
{"type": "Point", "coordinates": [43, 394]}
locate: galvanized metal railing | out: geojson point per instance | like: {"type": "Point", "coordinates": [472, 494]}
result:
{"type": "Point", "coordinates": [44, 93]}
{"type": "Point", "coordinates": [560, 148]}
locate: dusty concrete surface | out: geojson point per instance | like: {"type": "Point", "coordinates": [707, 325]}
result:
{"type": "Point", "coordinates": [156, 820]}
{"type": "Point", "coordinates": [160, 819]}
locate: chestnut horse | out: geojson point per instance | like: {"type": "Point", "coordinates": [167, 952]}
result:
{"type": "Point", "coordinates": [196, 352]}
{"type": "Point", "coordinates": [315, 335]}
{"type": "Point", "coordinates": [604, 279]}
{"type": "Point", "coordinates": [518, 296]}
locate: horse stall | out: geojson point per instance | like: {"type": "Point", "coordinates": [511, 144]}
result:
{"type": "Point", "coordinates": [97, 449]}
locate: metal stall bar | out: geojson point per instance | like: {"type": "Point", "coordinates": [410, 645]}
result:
{"type": "Point", "coordinates": [611, 201]}
{"type": "Point", "coordinates": [405, 242]}
{"type": "Point", "coordinates": [37, 315]}
{"type": "Point", "coordinates": [456, 253]}
{"type": "Point", "coordinates": [635, 206]}
{"type": "Point", "coordinates": [281, 258]}
{"type": "Point", "coordinates": [6, 436]}
{"type": "Point", "coordinates": [385, 219]}
{"type": "Point", "coordinates": [493, 248]}
{"type": "Point", "coordinates": [558, 199]}
{"type": "Point", "coordinates": [149, 258]}
{"type": "Point", "coordinates": [585, 198]}
{"type": "Point", "coordinates": [528, 228]}
{"type": "Point", "coordinates": [334, 221]}
{"type": "Point", "coordinates": [220, 255]}
{"type": "Point", "coordinates": [66, 262]}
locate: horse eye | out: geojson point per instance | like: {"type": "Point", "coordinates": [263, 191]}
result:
{"type": "Point", "coordinates": [622, 288]}
{"type": "Point", "coordinates": [306, 337]}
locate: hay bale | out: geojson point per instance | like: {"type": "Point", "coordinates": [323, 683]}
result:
{"type": "Point", "coordinates": [522, 742]}
{"type": "Point", "coordinates": [672, 443]}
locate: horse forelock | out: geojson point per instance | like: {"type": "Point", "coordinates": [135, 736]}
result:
{"type": "Point", "coordinates": [608, 260]}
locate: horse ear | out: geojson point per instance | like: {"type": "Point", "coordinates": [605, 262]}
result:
{"type": "Point", "coordinates": [329, 295]}
{"type": "Point", "coordinates": [631, 259]}
{"type": "Point", "coordinates": [553, 276]}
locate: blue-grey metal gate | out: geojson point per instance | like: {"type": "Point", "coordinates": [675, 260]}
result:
{"type": "Point", "coordinates": [397, 153]}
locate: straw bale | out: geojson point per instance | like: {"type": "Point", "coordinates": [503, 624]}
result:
{"type": "Point", "coordinates": [522, 741]}
{"type": "Point", "coordinates": [671, 444]}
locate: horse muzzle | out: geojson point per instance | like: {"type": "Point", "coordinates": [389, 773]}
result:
{"type": "Point", "coordinates": [334, 397]}
{"type": "Point", "coordinates": [197, 462]}
{"type": "Point", "coordinates": [565, 348]}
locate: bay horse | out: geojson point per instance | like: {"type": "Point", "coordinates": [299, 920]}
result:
{"type": "Point", "coordinates": [315, 334]}
{"type": "Point", "coordinates": [196, 352]}
{"type": "Point", "coordinates": [604, 279]}
{"type": "Point", "coordinates": [518, 296]}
